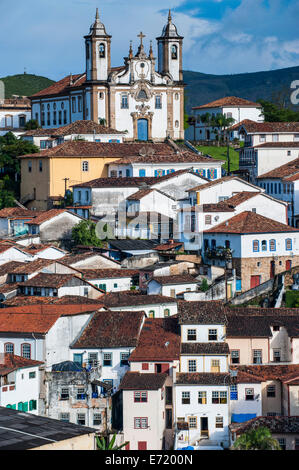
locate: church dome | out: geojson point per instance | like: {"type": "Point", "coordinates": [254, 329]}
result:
{"type": "Point", "coordinates": [170, 30]}
{"type": "Point", "coordinates": [97, 28]}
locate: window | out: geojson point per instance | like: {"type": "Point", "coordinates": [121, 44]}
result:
{"type": "Point", "coordinates": [124, 102]}
{"type": "Point", "coordinates": [263, 138]}
{"type": "Point", "coordinates": [54, 118]}
{"type": "Point", "coordinates": [272, 245]}
{"type": "Point", "coordinates": [212, 335]}
{"type": "Point", "coordinates": [192, 420]}
{"type": "Point", "coordinates": [215, 365]}
{"type": "Point", "coordinates": [80, 104]}
{"type": "Point", "coordinates": [124, 359]}
{"type": "Point", "coordinates": [166, 312]}
{"type": "Point", "coordinates": [102, 51]}
{"type": "Point", "coordinates": [32, 405]}
{"type": "Point", "coordinates": [275, 138]}
{"type": "Point", "coordinates": [249, 394]}
{"type": "Point", "coordinates": [257, 356]}
{"type": "Point", "coordinates": [282, 443]}
{"type": "Point", "coordinates": [276, 355]}
{"type": "Point", "coordinates": [64, 394]}
{"type": "Point", "coordinates": [40, 165]}
{"type": "Point", "coordinates": [144, 366]}
{"type": "Point", "coordinates": [93, 359]}
{"type": "Point", "coordinates": [235, 356]}
{"type": "Point", "coordinates": [48, 119]}
{"type": "Point", "coordinates": [140, 423]}
{"type": "Point", "coordinates": [219, 422]}
{"type": "Point", "coordinates": [142, 173]}
{"type": "Point", "coordinates": [85, 166]}
{"type": "Point", "coordinates": [271, 391]}
{"type": "Point", "coordinates": [9, 348]}
{"type": "Point", "coordinates": [255, 245]}
{"type": "Point", "coordinates": [65, 417]}
{"type": "Point", "coordinates": [74, 104]}
{"type": "Point", "coordinates": [140, 397]}
{"type": "Point", "coordinates": [64, 117]}
{"type": "Point", "coordinates": [81, 419]}
{"type": "Point", "coordinates": [32, 375]}
{"type": "Point", "coordinates": [276, 328]}
{"type": "Point", "coordinates": [22, 121]}
{"type": "Point", "coordinates": [264, 245]}
{"type": "Point", "coordinates": [202, 398]}
{"type": "Point", "coordinates": [234, 392]}
{"type": "Point", "coordinates": [289, 153]}
{"type": "Point", "coordinates": [151, 314]}
{"type": "Point", "coordinates": [191, 335]}
{"type": "Point", "coordinates": [158, 102]}
{"type": "Point", "coordinates": [185, 398]}
{"type": "Point", "coordinates": [174, 52]}
{"type": "Point", "coordinates": [288, 244]}
{"type": "Point", "coordinates": [43, 119]}
{"type": "Point", "coordinates": [26, 350]}
{"type": "Point", "coordinates": [219, 397]}
{"type": "Point", "coordinates": [177, 123]}
{"type": "Point", "coordinates": [192, 365]}
{"type": "Point", "coordinates": [29, 167]}
{"type": "Point", "coordinates": [97, 419]}
{"type": "Point", "coordinates": [107, 359]}
{"type": "Point", "coordinates": [59, 117]}
{"type": "Point", "coordinates": [208, 219]}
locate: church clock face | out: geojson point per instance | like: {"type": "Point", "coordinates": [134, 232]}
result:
{"type": "Point", "coordinates": [142, 69]}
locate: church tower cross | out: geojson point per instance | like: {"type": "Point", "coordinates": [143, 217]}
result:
{"type": "Point", "coordinates": [141, 36]}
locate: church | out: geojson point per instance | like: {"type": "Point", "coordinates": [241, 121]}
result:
{"type": "Point", "coordinates": [145, 101]}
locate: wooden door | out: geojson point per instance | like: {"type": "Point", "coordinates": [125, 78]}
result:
{"type": "Point", "coordinates": [142, 445]}
{"type": "Point", "coordinates": [254, 281]}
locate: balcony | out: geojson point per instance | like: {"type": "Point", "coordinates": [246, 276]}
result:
{"type": "Point", "coordinates": [219, 252]}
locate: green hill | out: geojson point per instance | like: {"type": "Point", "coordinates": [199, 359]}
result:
{"type": "Point", "coordinates": [25, 84]}
{"type": "Point", "coordinates": [275, 84]}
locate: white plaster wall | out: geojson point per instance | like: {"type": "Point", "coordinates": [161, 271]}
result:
{"type": "Point", "coordinates": [26, 389]}
{"type": "Point", "coordinates": [36, 344]}
{"type": "Point", "coordinates": [203, 362]}
{"type": "Point", "coordinates": [243, 406]}
{"type": "Point", "coordinates": [269, 159]}
{"type": "Point", "coordinates": [202, 333]}
{"type": "Point", "coordinates": [157, 308]}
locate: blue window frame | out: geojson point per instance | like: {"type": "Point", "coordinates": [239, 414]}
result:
{"type": "Point", "coordinates": [234, 392]}
{"type": "Point", "coordinates": [272, 245]}
{"type": "Point", "coordinates": [264, 245]}
{"type": "Point", "coordinates": [255, 245]}
{"type": "Point", "coordinates": [141, 172]}
{"type": "Point", "coordinates": [289, 244]}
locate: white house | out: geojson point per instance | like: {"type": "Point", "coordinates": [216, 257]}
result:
{"type": "Point", "coordinates": [170, 286]}
{"type": "Point", "coordinates": [10, 252]}
{"type": "Point", "coordinates": [283, 182]}
{"type": "Point", "coordinates": [245, 397]}
{"type": "Point", "coordinates": [107, 342]}
{"type": "Point", "coordinates": [259, 247]}
{"type": "Point", "coordinates": [111, 280]}
{"type": "Point", "coordinates": [14, 113]}
{"type": "Point", "coordinates": [267, 146]}
{"type": "Point", "coordinates": [202, 385]}
{"type": "Point", "coordinates": [230, 106]}
{"type": "Point", "coordinates": [21, 383]}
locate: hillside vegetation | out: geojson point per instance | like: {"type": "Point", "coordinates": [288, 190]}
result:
{"type": "Point", "coordinates": [25, 84]}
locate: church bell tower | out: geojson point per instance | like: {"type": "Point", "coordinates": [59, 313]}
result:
{"type": "Point", "coordinates": [170, 48]}
{"type": "Point", "coordinates": [98, 52]}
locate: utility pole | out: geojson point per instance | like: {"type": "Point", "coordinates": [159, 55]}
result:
{"type": "Point", "coordinates": [65, 184]}
{"type": "Point", "coordinates": [228, 159]}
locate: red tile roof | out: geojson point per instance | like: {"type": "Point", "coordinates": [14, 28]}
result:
{"type": "Point", "coordinates": [277, 425]}
{"type": "Point", "coordinates": [20, 300]}
{"type": "Point", "coordinates": [77, 127]}
{"type": "Point", "coordinates": [253, 127]}
{"type": "Point", "coordinates": [17, 212]}
{"type": "Point", "coordinates": [250, 222]}
{"type": "Point", "coordinates": [175, 279]}
{"type": "Point", "coordinates": [138, 381]}
{"type": "Point", "coordinates": [229, 101]}
{"type": "Point", "coordinates": [168, 246]}
{"type": "Point", "coordinates": [220, 181]}
{"type": "Point", "coordinates": [10, 362]}
{"type": "Point", "coordinates": [31, 267]}
{"type": "Point", "coordinates": [159, 340]}
{"type": "Point", "coordinates": [62, 86]}
{"type": "Point", "coordinates": [107, 273]}
{"type": "Point", "coordinates": [279, 145]}
{"type": "Point", "coordinates": [111, 330]}
{"type": "Point", "coordinates": [48, 215]}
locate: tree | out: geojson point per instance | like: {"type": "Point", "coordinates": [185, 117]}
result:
{"type": "Point", "coordinates": [204, 286]}
{"type": "Point", "coordinates": [221, 123]}
{"type": "Point", "coordinates": [102, 444]}
{"type": "Point", "coordinates": [32, 124]}
{"type": "Point", "coordinates": [256, 439]}
{"type": "Point", "coordinates": [84, 233]}
{"type": "Point", "coordinates": [7, 198]}
{"type": "Point", "coordinates": [277, 112]}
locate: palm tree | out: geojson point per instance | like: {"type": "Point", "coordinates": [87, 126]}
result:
{"type": "Point", "coordinates": [256, 439]}
{"type": "Point", "coordinates": [104, 445]}
{"type": "Point", "coordinates": [221, 123]}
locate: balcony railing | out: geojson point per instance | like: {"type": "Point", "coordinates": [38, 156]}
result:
{"type": "Point", "coordinates": [218, 252]}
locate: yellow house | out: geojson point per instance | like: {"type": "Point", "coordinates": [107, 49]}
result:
{"type": "Point", "coordinates": [46, 175]}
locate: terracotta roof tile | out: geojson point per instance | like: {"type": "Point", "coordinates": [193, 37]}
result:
{"type": "Point", "coordinates": [250, 222]}
{"type": "Point", "coordinates": [203, 378]}
{"type": "Point", "coordinates": [134, 298]}
{"type": "Point", "coordinates": [159, 340]}
{"type": "Point", "coordinates": [276, 424]}
{"type": "Point", "coordinates": [202, 313]}
{"type": "Point", "coordinates": [31, 267]}
{"type": "Point", "coordinates": [271, 372]}
{"type": "Point", "coordinates": [62, 86]}
{"type": "Point", "coordinates": [138, 381]}
{"type": "Point", "coordinates": [77, 127]}
{"type": "Point", "coordinates": [108, 273]}
{"type": "Point", "coordinates": [271, 127]}
{"type": "Point", "coordinates": [49, 280]}
{"type": "Point", "coordinates": [20, 300]}
{"type": "Point", "coordinates": [175, 279]}
{"type": "Point", "coordinates": [229, 101]}
{"type": "Point", "coordinates": [48, 215]}
{"type": "Point", "coordinates": [111, 330]}
{"type": "Point", "coordinates": [278, 145]}
{"type": "Point", "coordinates": [10, 362]}
{"type": "Point", "coordinates": [285, 172]}
{"type": "Point", "coordinates": [171, 245]}
{"type": "Point", "coordinates": [204, 348]}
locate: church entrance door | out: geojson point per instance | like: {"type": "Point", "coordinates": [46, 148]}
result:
{"type": "Point", "coordinates": [142, 129]}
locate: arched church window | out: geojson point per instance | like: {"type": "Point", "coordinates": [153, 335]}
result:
{"type": "Point", "coordinates": [177, 123]}
{"type": "Point", "coordinates": [102, 50]}
{"type": "Point", "coordinates": [174, 52]}
{"type": "Point", "coordinates": [142, 95]}
{"type": "Point", "coordinates": [101, 95]}
{"type": "Point", "coordinates": [177, 96]}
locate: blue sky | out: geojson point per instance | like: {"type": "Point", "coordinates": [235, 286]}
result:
{"type": "Point", "coordinates": [221, 36]}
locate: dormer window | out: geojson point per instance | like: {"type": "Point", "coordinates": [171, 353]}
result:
{"type": "Point", "coordinates": [174, 52]}
{"type": "Point", "coordinates": [102, 51]}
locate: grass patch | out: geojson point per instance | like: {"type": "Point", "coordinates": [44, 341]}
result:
{"type": "Point", "coordinates": [292, 298]}
{"type": "Point", "coordinates": [220, 153]}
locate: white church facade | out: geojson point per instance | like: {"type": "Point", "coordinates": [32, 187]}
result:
{"type": "Point", "coordinates": [146, 103]}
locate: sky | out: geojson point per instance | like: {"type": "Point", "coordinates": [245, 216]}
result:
{"type": "Point", "coordinates": [45, 37]}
